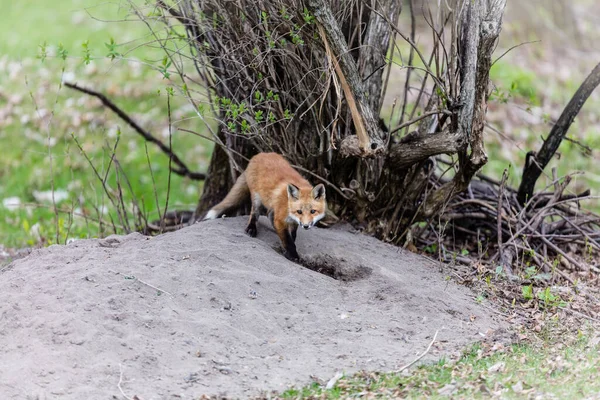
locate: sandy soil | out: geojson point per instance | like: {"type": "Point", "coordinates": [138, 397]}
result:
{"type": "Point", "coordinates": [209, 310]}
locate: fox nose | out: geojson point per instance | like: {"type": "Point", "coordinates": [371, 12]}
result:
{"type": "Point", "coordinates": [306, 226]}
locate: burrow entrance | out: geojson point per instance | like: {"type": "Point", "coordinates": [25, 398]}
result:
{"type": "Point", "coordinates": [337, 268]}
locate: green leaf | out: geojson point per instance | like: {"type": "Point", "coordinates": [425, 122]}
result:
{"type": "Point", "coordinates": [527, 292]}
{"type": "Point", "coordinates": [62, 52]}
{"type": "Point", "coordinates": [87, 57]}
{"type": "Point", "coordinates": [43, 51]}
{"type": "Point", "coordinates": [112, 49]}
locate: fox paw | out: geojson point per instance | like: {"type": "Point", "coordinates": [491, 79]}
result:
{"type": "Point", "coordinates": [251, 230]}
{"type": "Point", "coordinates": [291, 256]}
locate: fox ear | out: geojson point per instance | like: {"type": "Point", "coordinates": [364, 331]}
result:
{"type": "Point", "coordinates": [318, 191]}
{"type": "Point", "coordinates": [293, 191]}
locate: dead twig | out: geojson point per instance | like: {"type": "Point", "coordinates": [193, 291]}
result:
{"type": "Point", "coordinates": [120, 382]}
{"type": "Point", "coordinates": [580, 314]}
{"type": "Point", "coordinates": [419, 118]}
{"type": "Point", "coordinates": [507, 268]}
{"type": "Point", "coordinates": [562, 253]}
{"type": "Point", "coordinates": [418, 358]}
{"type": "Point", "coordinates": [135, 278]}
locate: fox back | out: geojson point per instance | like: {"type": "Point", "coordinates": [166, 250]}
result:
{"type": "Point", "coordinates": [290, 200]}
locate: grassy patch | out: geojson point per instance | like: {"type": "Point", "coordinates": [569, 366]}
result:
{"type": "Point", "coordinates": [67, 22]}
{"type": "Point", "coordinates": [42, 122]}
{"type": "Point", "coordinates": [514, 81]}
{"type": "Point", "coordinates": [519, 371]}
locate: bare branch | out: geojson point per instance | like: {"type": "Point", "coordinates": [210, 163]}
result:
{"type": "Point", "coordinates": [536, 163]}
{"type": "Point", "coordinates": [419, 118]}
{"type": "Point", "coordinates": [416, 147]}
{"type": "Point", "coordinates": [182, 169]}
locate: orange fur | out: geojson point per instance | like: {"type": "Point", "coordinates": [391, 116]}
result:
{"type": "Point", "coordinates": [289, 199]}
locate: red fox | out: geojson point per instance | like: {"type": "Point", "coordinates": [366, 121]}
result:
{"type": "Point", "coordinates": [289, 199]}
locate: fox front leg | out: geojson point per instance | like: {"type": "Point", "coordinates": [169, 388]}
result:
{"type": "Point", "coordinates": [287, 241]}
{"type": "Point", "coordinates": [293, 228]}
{"type": "Point", "coordinates": [271, 216]}
{"type": "Point", "coordinates": [254, 214]}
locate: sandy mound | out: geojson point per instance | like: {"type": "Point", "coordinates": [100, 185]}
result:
{"type": "Point", "coordinates": [209, 310]}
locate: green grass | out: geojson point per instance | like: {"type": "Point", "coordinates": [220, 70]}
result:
{"type": "Point", "coordinates": [552, 371]}
{"type": "Point", "coordinates": [519, 82]}
{"type": "Point", "coordinates": [29, 23]}
{"type": "Point", "coordinates": [42, 118]}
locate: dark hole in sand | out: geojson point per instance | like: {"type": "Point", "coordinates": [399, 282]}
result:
{"type": "Point", "coordinates": [336, 268]}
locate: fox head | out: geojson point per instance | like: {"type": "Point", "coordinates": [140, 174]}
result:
{"type": "Point", "coordinates": [306, 206]}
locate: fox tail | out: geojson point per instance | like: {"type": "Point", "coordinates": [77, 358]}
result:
{"type": "Point", "coordinates": [236, 196]}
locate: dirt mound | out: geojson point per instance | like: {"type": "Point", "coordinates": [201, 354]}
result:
{"type": "Point", "coordinates": [209, 310]}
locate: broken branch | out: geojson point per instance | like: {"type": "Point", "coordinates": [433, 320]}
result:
{"type": "Point", "coordinates": [535, 163]}
{"type": "Point", "coordinates": [416, 147]}
{"type": "Point", "coordinates": [182, 169]}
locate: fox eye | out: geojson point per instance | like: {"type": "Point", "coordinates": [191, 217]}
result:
{"type": "Point", "coordinates": [299, 211]}
{"type": "Point", "coordinates": [313, 211]}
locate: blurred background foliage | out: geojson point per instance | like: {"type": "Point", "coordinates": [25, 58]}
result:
{"type": "Point", "coordinates": [42, 123]}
